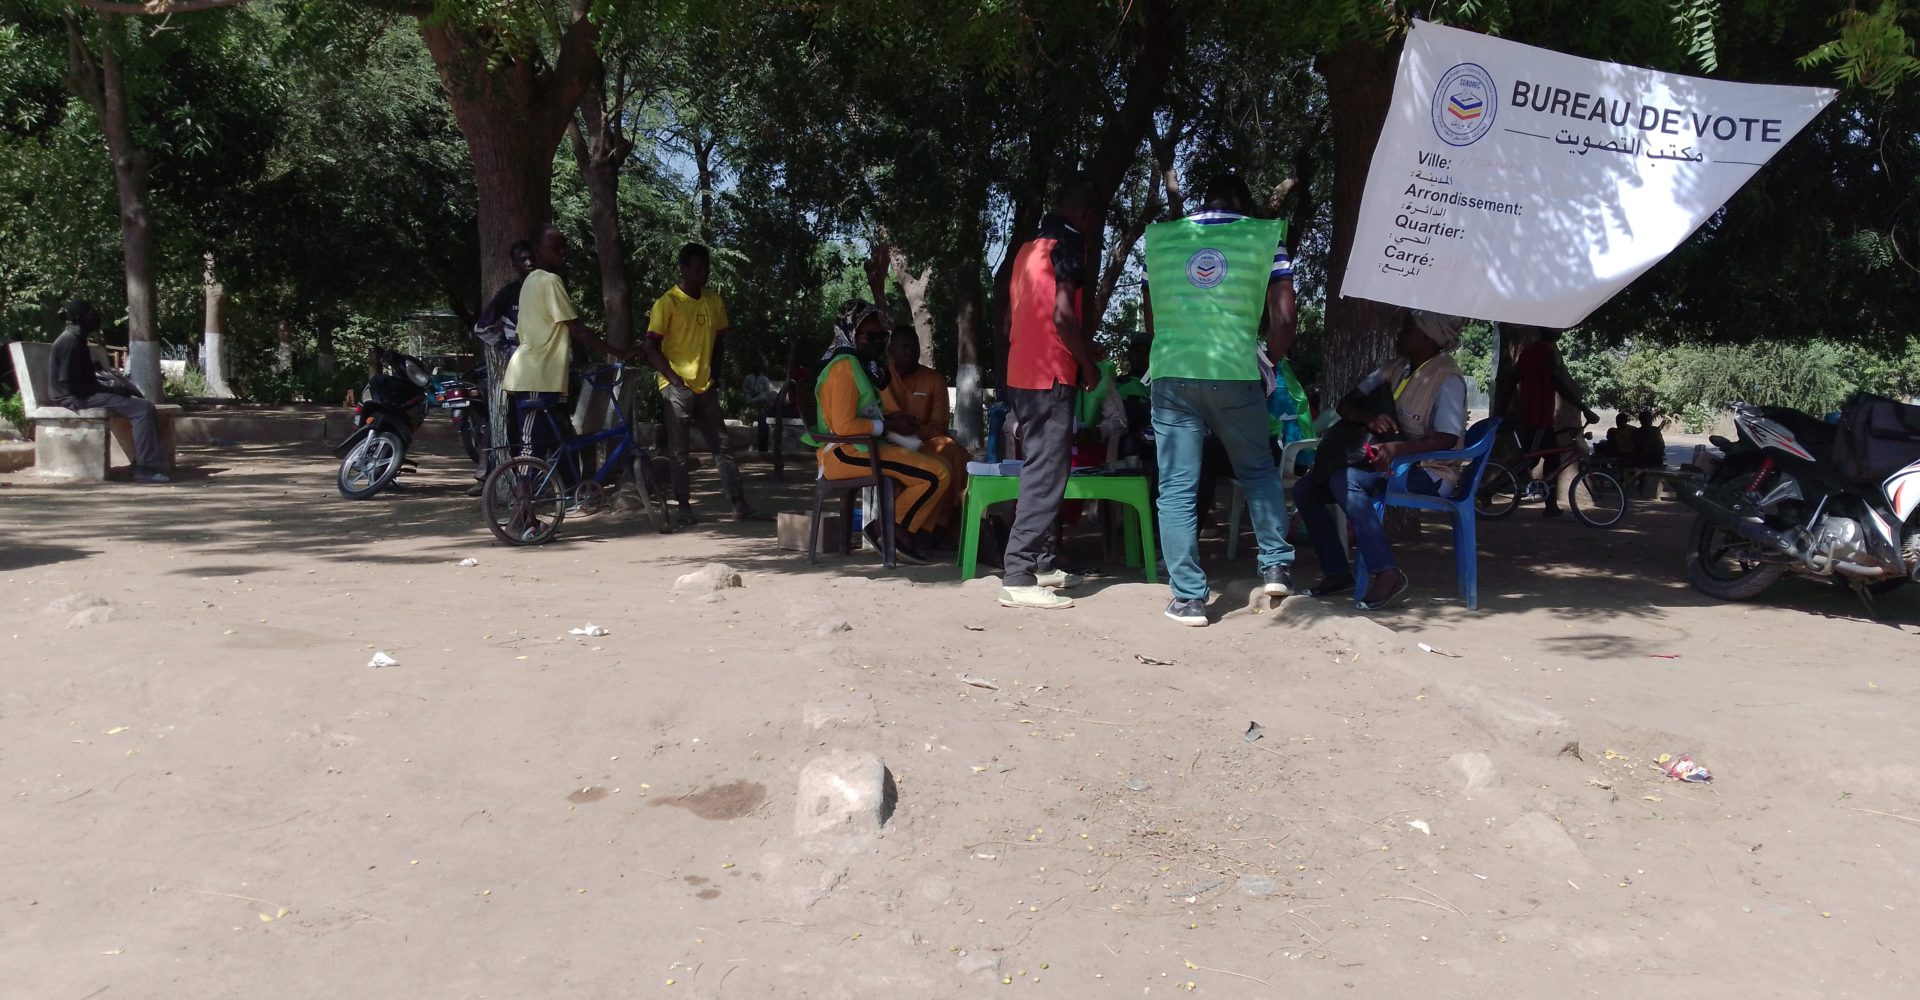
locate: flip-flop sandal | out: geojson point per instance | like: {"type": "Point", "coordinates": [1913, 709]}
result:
{"type": "Point", "coordinates": [1381, 604]}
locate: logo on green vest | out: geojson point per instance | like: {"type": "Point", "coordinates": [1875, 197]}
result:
{"type": "Point", "coordinates": [1207, 268]}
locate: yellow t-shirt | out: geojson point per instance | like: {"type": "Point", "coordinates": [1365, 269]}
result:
{"type": "Point", "coordinates": [686, 327]}
{"type": "Point", "coordinates": [540, 362]}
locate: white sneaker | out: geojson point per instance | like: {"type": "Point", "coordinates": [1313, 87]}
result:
{"type": "Point", "coordinates": [1033, 597]}
{"type": "Point", "coordinates": [1059, 579]}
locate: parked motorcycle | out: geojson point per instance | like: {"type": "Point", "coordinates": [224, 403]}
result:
{"type": "Point", "coordinates": [1802, 496]}
{"type": "Point", "coordinates": [390, 410]}
{"type": "Point", "coordinates": [465, 400]}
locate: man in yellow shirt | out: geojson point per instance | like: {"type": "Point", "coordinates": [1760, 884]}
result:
{"type": "Point", "coordinates": [537, 374]}
{"type": "Point", "coordinates": [918, 395]}
{"type": "Point", "coordinates": [684, 343]}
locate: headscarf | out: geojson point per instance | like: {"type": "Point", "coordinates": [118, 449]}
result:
{"type": "Point", "coordinates": [1442, 329]}
{"type": "Point", "coordinates": [852, 314]}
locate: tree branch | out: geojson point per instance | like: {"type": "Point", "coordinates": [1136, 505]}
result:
{"type": "Point", "coordinates": [158, 7]}
{"type": "Point", "coordinates": [576, 64]}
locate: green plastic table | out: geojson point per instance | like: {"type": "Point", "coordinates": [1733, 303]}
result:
{"type": "Point", "coordinates": [1129, 491]}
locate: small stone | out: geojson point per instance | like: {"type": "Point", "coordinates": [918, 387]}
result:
{"type": "Point", "coordinates": [707, 579]}
{"type": "Point", "coordinates": [93, 616]}
{"type": "Point", "coordinates": [1257, 885]}
{"type": "Point", "coordinates": [976, 963]}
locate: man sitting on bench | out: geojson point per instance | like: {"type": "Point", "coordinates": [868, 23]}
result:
{"type": "Point", "coordinates": [73, 381]}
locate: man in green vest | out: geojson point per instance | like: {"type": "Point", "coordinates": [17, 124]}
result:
{"type": "Point", "coordinates": [1211, 278]}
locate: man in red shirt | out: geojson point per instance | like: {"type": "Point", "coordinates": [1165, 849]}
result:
{"type": "Point", "coordinates": [1048, 363]}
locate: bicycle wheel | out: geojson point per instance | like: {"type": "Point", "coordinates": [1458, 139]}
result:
{"type": "Point", "coordinates": [1499, 492]}
{"type": "Point", "coordinates": [653, 495]}
{"type": "Point", "coordinates": [522, 503]}
{"type": "Point", "coordinates": [1598, 499]}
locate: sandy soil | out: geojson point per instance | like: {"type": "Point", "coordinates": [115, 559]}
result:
{"type": "Point", "coordinates": [208, 793]}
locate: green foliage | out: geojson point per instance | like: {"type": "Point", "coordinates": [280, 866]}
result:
{"type": "Point", "coordinates": [1873, 49]}
{"type": "Point", "coordinates": [13, 410]}
{"type": "Point", "coordinates": [1697, 380]}
{"type": "Point", "coordinates": [189, 384]}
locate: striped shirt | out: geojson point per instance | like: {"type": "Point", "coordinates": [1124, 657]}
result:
{"type": "Point", "coordinates": [1282, 260]}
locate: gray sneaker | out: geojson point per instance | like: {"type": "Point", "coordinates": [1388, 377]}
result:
{"type": "Point", "coordinates": [150, 476]}
{"type": "Point", "coordinates": [1192, 613]}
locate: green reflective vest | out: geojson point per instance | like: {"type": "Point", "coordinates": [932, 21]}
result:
{"type": "Point", "coordinates": [869, 399]}
{"type": "Point", "coordinates": [1086, 406]}
{"type": "Point", "coordinates": [1209, 287]}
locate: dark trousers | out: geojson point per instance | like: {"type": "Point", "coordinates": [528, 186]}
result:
{"type": "Point", "coordinates": [537, 435]}
{"type": "Point", "coordinates": [702, 409]}
{"type": "Point", "coordinates": [1046, 450]}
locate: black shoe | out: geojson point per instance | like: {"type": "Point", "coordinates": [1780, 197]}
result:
{"type": "Point", "coordinates": [1192, 613]}
{"type": "Point", "coordinates": [475, 489]}
{"type": "Point", "coordinates": [685, 518]}
{"type": "Point", "coordinates": [1332, 586]}
{"type": "Point", "coordinates": [1278, 579]}
{"type": "Point", "coordinates": [1551, 511]}
{"type": "Point", "coordinates": [1377, 602]}
{"type": "Point", "coordinates": [907, 552]}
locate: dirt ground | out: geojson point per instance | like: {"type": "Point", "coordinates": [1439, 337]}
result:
{"type": "Point", "coordinates": [208, 792]}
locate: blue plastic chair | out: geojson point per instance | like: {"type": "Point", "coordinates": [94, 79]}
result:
{"type": "Point", "coordinates": [1466, 554]}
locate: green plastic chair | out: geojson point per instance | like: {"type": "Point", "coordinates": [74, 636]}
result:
{"type": "Point", "coordinates": [1128, 491]}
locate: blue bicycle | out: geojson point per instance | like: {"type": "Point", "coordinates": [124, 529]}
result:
{"type": "Point", "coordinates": [525, 499]}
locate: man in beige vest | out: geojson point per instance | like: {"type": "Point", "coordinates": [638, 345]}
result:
{"type": "Point", "coordinates": [1427, 412]}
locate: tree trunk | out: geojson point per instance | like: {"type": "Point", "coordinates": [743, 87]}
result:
{"type": "Point", "coordinates": [703, 175]}
{"type": "Point", "coordinates": [513, 112]}
{"type": "Point", "coordinates": [94, 74]}
{"type": "Point", "coordinates": [600, 151]}
{"type": "Point", "coordinates": [914, 286]}
{"type": "Point", "coordinates": [879, 261]}
{"type": "Point", "coordinates": [214, 364]}
{"type": "Point", "coordinates": [970, 321]}
{"type": "Point", "coordinates": [1359, 332]}
{"type": "Point", "coordinates": [1161, 39]}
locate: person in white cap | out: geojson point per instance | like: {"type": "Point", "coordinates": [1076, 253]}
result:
{"type": "Point", "coordinates": [1413, 404]}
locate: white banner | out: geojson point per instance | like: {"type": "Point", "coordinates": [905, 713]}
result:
{"type": "Point", "coordinates": [1517, 184]}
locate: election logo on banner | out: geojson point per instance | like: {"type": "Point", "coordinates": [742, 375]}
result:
{"type": "Point", "coordinates": [1464, 105]}
{"type": "Point", "coordinates": [1207, 268]}
{"type": "Point", "coordinates": [1518, 184]}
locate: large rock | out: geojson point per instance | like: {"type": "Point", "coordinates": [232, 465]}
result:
{"type": "Point", "coordinates": [707, 579]}
{"type": "Point", "coordinates": [843, 792]}
{"type": "Point", "coordinates": [1476, 771]}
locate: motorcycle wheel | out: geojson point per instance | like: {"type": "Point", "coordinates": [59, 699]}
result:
{"type": "Point", "coordinates": [522, 502]}
{"type": "Point", "coordinates": [1725, 566]}
{"type": "Point", "coordinates": [372, 465]}
{"type": "Point", "coordinates": [1499, 492]}
{"type": "Point", "coordinates": [1598, 500]}
{"type": "Point", "coordinates": [470, 432]}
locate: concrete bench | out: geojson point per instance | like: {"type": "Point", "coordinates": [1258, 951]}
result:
{"type": "Point", "coordinates": [77, 444]}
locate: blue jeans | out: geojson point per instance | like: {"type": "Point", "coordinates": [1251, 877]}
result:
{"type": "Point", "coordinates": [1183, 411]}
{"type": "Point", "coordinates": [1354, 490]}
